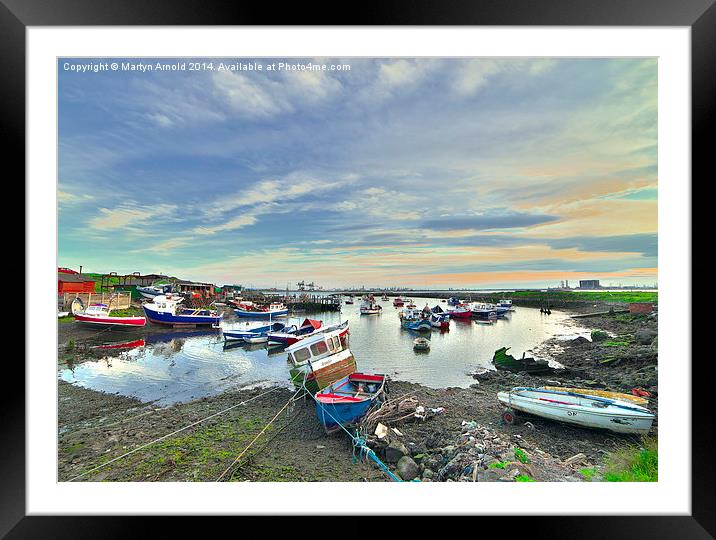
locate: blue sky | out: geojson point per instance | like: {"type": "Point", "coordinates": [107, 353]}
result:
{"type": "Point", "coordinates": [414, 172]}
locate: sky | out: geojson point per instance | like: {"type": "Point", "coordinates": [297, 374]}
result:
{"type": "Point", "coordinates": [432, 173]}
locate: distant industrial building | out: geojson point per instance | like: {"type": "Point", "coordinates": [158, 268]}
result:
{"type": "Point", "coordinates": [589, 284]}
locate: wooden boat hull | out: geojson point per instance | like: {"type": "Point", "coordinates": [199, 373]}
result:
{"type": "Point", "coordinates": [602, 393]}
{"type": "Point", "coordinates": [580, 410]}
{"type": "Point", "coordinates": [322, 376]}
{"type": "Point", "coordinates": [110, 321]}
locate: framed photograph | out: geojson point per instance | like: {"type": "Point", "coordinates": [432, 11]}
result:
{"type": "Point", "coordinates": [434, 247]}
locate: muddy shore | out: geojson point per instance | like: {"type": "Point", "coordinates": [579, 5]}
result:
{"type": "Point", "coordinates": [94, 427]}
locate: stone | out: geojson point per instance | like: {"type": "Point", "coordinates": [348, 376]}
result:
{"type": "Point", "coordinates": [577, 458]}
{"type": "Point", "coordinates": [644, 336]}
{"type": "Point", "coordinates": [394, 451]}
{"type": "Point", "coordinates": [407, 469]}
{"type": "Point", "coordinates": [428, 474]}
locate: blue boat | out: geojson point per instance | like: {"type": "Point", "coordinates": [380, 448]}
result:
{"type": "Point", "coordinates": [453, 301]}
{"type": "Point", "coordinates": [252, 330]}
{"type": "Point", "coordinates": [165, 309]}
{"type": "Point", "coordinates": [347, 400]}
{"type": "Point", "coordinates": [415, 319]}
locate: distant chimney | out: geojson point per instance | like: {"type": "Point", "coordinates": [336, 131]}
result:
{"type": "Point", "coordinates": [80, 269]}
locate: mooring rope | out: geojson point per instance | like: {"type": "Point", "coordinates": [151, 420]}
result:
{"type": "Point", "coordinates": [359, 442]}
{"type": "Point", "coordinates": [171, 434]}
{"type": "Point", "coordinates": [259, 435]}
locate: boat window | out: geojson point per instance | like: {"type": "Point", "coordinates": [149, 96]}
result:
{"type": "Point", "coordinates": [302, 355]}
{"type": "Point", "coordinates": [331, 345]}
{"type": "Point", "coordinates": [319, 348]}
{"type": "Point", "coordinates": [336, 342]}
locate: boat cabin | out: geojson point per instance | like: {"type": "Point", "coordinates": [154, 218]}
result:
{"type": "Point", "coordinates": [317, 347]}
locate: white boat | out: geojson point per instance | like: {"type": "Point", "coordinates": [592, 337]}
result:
{"type": "Point", "coordinates": [579, 409]}
{"type": "Point", "coordinates": [369, 307]}
{"type": "Point", "coordinates": [421, 344]}
{"type": "Point", "coordinates": [61, 314]}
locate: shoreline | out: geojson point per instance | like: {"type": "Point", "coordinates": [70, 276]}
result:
{"type": "Point", "coordinates": [95, 427]}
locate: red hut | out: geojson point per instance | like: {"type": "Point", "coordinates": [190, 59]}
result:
{"type": "Point", "coordinates": [74, 283]}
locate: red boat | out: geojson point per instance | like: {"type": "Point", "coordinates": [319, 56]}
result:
{"type": "Point", "coordinates": [460, 311]}
{"type": "Point", "coordinates": [99, 314]}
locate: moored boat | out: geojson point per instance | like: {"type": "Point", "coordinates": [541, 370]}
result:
{"type": "Point", "coordinates": [321, 359]}
{"type": "Point", "coordinates": [99, 314]}
{"type": "Point", "coordinates": [347, 400]}
{"type": "Point", "coordinates": [454, 301]}
{"type": "Point", "coordinates": [414, 319]}
{"type": "Point", "coordinates": [252, 329]}
{"type": "Point", "coordinates": [385, 298]}
{"type": "Point", "coordinates": [421, 344]}
{"type": "Point", "coordinates": [440, 320]}
{"type": "Point", "coordinates": [460, 311]}
{"type": "Point", "coordinates": [578, 409]}
{"type": "Point", "coordinates": [398, 302]}
{"type": "Point", "coordinates": [254, 311]}
{"type": "Point", "coordinates": [369, 307]}
{"type": "Point", "coordinates": [483, 311]}
{"type": "Point", "coordinates": [256, 339]}
{"type": "Point", "coordinates": [165, 309]}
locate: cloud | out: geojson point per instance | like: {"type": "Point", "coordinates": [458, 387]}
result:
{"type": "Point", "coordinates": [129, 216]}
{"type": "Point", "coordinates": [492, 220]}
{"type": "Point", "coordinates": [646, 244]}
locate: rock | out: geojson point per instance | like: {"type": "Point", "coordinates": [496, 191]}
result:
{"type": "Point", "coordinates": [529, 425]}
{"type": "Point", "coordinates": [579, 340]}
{"type": "Point", "coordinates": [394, 451]}
{"type": "Point", "coordinates": [577, 458]}
{"type": "Point", "coordinates": [644, 336]}
{"type": "Point", "coordinates": [599, 335]}
{"type": "Point", "coordinates": [428, 474]}
{"type": "Point", "coordinates": [407, 469]}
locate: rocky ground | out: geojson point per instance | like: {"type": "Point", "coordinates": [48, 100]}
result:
{"type": "Point", "coordinates": [465, 440]}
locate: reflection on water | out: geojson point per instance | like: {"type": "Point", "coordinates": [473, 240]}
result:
{"type": "Point", "coordinates": [183, 365]}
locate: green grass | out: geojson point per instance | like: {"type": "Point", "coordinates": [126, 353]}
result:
{"type": "Point", "coordinates": [498, 465]}
{"type": "Point", "coordinates": [588, 473]}
{"type": "Point", "coordinates": [521, 456]}
{"type": "Point", "coordinates": [67, 319]}
{"type": "Point", "coordinates": [634, 464]}
{"type": "Point", "coordinates": [523, 478]}
{"type": "Point", "coordinates": [616, 344]}
{"type": "Point", "coordinates": [588, 296]}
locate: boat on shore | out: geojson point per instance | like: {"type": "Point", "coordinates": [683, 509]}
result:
{"type": "Point", "coordinates": [638, 400]}
{"type": "Point", "coordinates": [578, 409]}
{"type": "Point", "coordinates": [165, 309]}
{"type": "Point", "coordinates": [321, 359]}
{"type": "Point", "coordinates": [99, 314]}
{"type": "Point", "coordinates": [155, 289]}
{"type": "Point", "coordinates": [504, 361]}
{"type": "Point", "coordinates": [254, 311]}
{"type": "Point", "coordinates": [347, 400]}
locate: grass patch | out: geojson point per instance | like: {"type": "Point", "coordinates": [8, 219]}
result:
{"type": "Point", "coordinates": [521, 456]}
{"type": "Point", "coordinates": [634, 464]}
{"type": "Point", "coordinates": [67, 319]}
{"type": "Point", "coordinates": [616, 344]}
{"type": "Point", "coordinates": [523, 478]}
{"type": "Point", "coordinates": [497, 465]}
{"type": "Point", "coordinates": [588, 473]}
{"type": "Point", "coordinates": [599, 335]}
{"type": "Point", "coordinates": [589, 296]}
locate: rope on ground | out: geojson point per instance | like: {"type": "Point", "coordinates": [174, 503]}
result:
{"type": "Point", "coordinates": [291, 400]}
{"type": "Point", "coordinates": [171, 434]}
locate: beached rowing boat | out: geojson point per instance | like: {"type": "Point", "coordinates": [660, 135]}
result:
{"type": "Point", "coordinates": [99, 314]}
{"type": "Point", "coordinates": [346, 401]}
{"type": "Point", "coordinates": [578, 409]}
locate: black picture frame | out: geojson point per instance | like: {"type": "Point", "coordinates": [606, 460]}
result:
{"type": "Point", "coordinates": [699, 15]}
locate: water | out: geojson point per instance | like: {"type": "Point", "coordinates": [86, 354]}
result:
{"type": "Point", "coordinates": [183, 365]}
